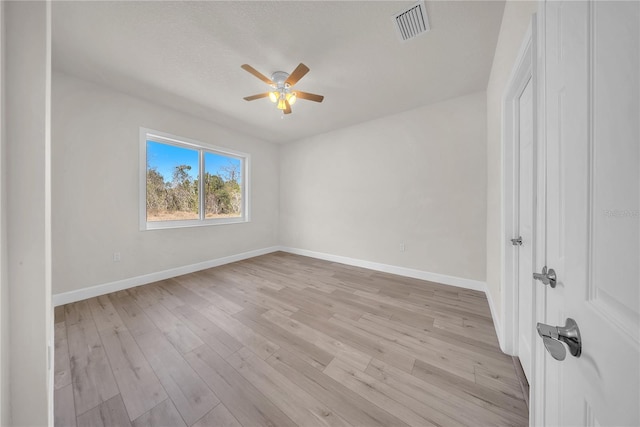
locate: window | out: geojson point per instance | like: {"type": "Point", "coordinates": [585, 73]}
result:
{"type": "Point", "coordinates": [186, 183]}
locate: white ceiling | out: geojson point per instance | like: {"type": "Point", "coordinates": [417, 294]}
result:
{"type": "Point", "coordinates": [188, 55]}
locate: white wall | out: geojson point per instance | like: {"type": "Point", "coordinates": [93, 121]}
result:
{"type": "Point", "coordinates": [95, 189]}
{"type": "Point", "coordinates": [515, 21]}
{"type": "Point", "coordinates": [27, 185]}
{"type": "Point", "coordinates": [416, 178]}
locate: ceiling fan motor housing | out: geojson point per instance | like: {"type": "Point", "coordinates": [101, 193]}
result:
{"type": "Point", "coordinates": [279, 77]}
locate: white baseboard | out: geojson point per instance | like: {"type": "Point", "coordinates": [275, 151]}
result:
{"type": "Point", "coordinates": [106, 288]}
{"type": "Point", "coordinates": [460, 282]}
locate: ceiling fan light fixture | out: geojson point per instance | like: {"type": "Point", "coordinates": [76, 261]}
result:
{"type": "Point", "coordinates": [281, 84]}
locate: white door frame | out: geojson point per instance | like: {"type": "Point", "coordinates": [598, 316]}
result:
{"type": "Point", "coordinates": [524, 70]}
{"type": "Point", "coordinates": [538, 365]}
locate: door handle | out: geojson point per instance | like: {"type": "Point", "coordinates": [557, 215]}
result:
{"type": "Point", "coordinates": [517, 241]}
{"type": "Point", "coordinates": [554, 336]}
{"type": "Point", "coordinates": [548, 277]}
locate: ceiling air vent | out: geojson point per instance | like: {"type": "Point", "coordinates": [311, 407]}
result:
{"type": "Point", "coordinates": [412, 21]}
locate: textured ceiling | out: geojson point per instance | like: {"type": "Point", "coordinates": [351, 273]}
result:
{"type": "Point", "coordinates": [188, 55]}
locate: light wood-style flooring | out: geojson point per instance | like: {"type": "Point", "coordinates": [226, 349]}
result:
{"type": "Point", "coordinates": [283, 340]}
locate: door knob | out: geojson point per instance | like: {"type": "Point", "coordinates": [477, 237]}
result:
{"type": "Point", "coordinates": [554, 336]}
{"type": "Point", "coordinates": [548, 277]}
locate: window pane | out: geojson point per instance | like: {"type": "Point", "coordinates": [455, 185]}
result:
{"type": "Point", "coordinates": [172, 182]}
{"type": "Point", "coordinates": [223, 186]}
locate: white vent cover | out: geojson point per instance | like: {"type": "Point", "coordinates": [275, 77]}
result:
{"type": "Point", "coordinates": [412, 21]}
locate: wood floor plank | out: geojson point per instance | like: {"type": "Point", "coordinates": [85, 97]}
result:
{"type": "Point", "coordinates": [63, 407]}
{"type": "Point", "coordinates": [417, 349]}
{"type": "Point", "coordinates": [279, 276]}
{"type": "Point", "coordinates": [176, 288]}
{"type": "Point", "coordinates": [384, 328]}
{"type": "Point", "coordinates": [487, 344]}
{"type": "Point", "coordinates": [406, 393]}
{"type": "Point", "coordinates": [220, 341]}
{"type": "Point", "coordinates": [131, 314]}
{"type": "Point", "coordinates": [254, 275]}
{"type": "Point", "coordinates": [389, 329]}
{"type": "Point", "coordinates": [164, 414]}
{"type": "Point", "coordinates": [396, 291]}
{"type": "Point", "coordinates": [467, 329]}
{"type": "Point", "coordinates": [286, 340]}
{"type": "Point", "coordinates": [155, 294]}
{"type": "Point", "coordinates": [223, 290]}
{"type": "Point", "coordinates": [449, 347]}
{"type": "Point", "coordinates": [172, 328]}
{"type": "Point", "coordinates": [339, 349]}
{"type": "Point", "coordinates": [413, 319]}
{"type": "Point", "coordinates": [137, 382]}
{"type": "Point", "coordinates": [107, 414]}
{"type": "Point", "coordinates": [366, 305]}
{"type": "Point", "coordinates": [62, 365]}
{"type": "Point", "coordinates": [505, 383]}
{"type": "Point", "coordinates": [200, 286]}
{"type": "Point", "coordinates": [249, 338]}
{"type": "Point", "coordinates": [374, 391]}
{"type": "Point", "coordinates": [299, 405]}
{"type": "Point", "coordinates": [248, 405]}
{"type": "Point", "coordinates": [254, 295]}
{"type": "Point", "coordinates": [455, 302]}
{"type": "Point", "coordinates": [191, 396]}
{"type": "Point", "coordinates": [326, 283]}
{"type": "Point", "coordinates": [322, 302]}
{"type": "Point", "coordinates": [497, 402]}
{"type": "Point", "coordinates": [319, 283]}
{"type": "Point", "coordinates": [302, 303]}
{"type": "Point", "coordinates": [354, 277]}
{"type": "Point", "coordinates": [402, 304]}
{"type": "Point", "coordinates": [338, 327]}
{"type": "Point", "coordinates": [104, 313]}
{"type": "Point", "coordinates": [91, 376]}
{"type": "Point", "coordinates": [347, 403]}
{"type": "Point", "coordinates": [435, 356]}
{"type": "Point", "coordinates": [77, 312]}
{"type": "Point", "coordinates": [433, 395]}
{"type": "Point", "coordinates": [218, 417]}
{"type": "Point", "coordinates": [424, 307]}
{"type": "Point", "coordinates": [58, 314]}
{"type": "Point", "coordinates": [335, 305]}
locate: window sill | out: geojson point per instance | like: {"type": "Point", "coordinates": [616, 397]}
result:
{"type": "Point", "coordinates": [163, 225]}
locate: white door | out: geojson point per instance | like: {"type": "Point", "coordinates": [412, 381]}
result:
{"type": "Point", "coordinates": [592, 139]}
{"type": "Point", "coordinates": [525, 227]}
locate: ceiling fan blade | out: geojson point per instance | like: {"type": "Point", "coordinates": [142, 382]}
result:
{"type": "Point", "coordinates": [248, 68]}
{"type": "Point", "coordinates": [309, 96]}
{"type": "Point", "coordinates": [288, 109]}
{"type": "Point", "coordinates": [297, 74]}
{"type": "Point", "coordinates": [258, 96]}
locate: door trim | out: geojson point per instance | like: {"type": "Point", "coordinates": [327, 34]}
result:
{"type": "Point", "coordinates": [523, 72]}
{"type": "Point", "coordinates": [538, 364]}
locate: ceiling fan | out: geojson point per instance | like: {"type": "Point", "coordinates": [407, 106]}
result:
{"type": "Point", "coordinates": [282, 83]}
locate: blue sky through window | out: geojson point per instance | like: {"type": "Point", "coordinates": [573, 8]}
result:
{"type": "Point", "coordinates": [165, 157]}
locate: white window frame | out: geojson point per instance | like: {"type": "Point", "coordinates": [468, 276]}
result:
{"type": "Point", "coordinates": [178, 141]}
